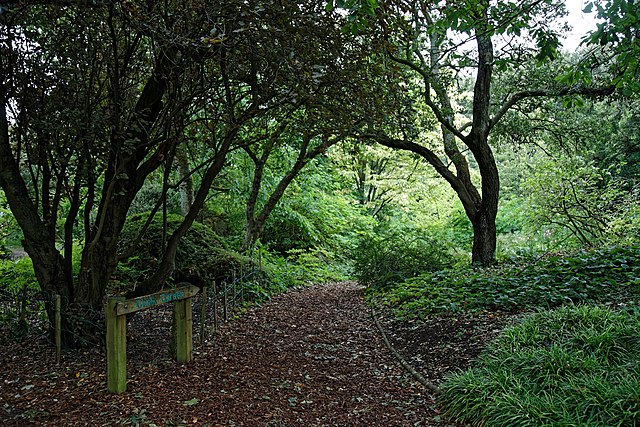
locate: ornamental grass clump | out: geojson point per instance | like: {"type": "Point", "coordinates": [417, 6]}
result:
{"type": "Point", "coordinates": [573, 366]}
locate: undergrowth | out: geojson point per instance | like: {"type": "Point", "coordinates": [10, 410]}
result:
{"type": "Point", "coordinates": [385, 259]}
{"type": "Point", "coordinates": [609, 276]}
{"type": "Point", "coordinates": [565, 367]}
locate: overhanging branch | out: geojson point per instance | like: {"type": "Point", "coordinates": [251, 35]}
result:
{"type": "Point", "coordinates": [536, 93]}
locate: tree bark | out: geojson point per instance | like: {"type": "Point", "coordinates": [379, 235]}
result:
{"type": "Point", "coordinates": [125, 176]}
{"type": "Point", "coordinates": [481, 207]}
{"type": "Point", "coordinates": [484, 237]}
{"type": "Point", "coordinates": [484, 220]}
{"type": "Point", "coordinates": [39, 242]}
{"type": "Point", "coordinates": [186, 185]}
{"type": "Point", "coordinates": [255, 224]}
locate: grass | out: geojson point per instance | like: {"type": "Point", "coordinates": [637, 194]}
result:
{"type": "Point", "coordinates": [575, 362]}
{"type": "Point", "coordinates": [573, 366]}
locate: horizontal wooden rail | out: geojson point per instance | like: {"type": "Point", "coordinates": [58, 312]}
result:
{"type": "Point", "coordinates": [116, 309]}
{"type": "Point", "coordinates": [152, 300]}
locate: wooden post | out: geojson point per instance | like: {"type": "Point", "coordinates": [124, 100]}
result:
{"type": "Point", "coordinates": [225, 301]}
{"type": "Point", "coordinates": [216, 321]}
{"type": "Point", "coordinates": [242, 283]}
{"type": "Point", "coordinates": [58, 326]}
{"type": "Point", "coordinates": [116, 309]}
{"type": "Point", "coordinates": [203, 313]}
{"type": "Point", "coordinates": [116, 347]}
{"type": "Point", "coordinates": [235, 290]}
{"type": "Point", "coordinates": [182, 333]}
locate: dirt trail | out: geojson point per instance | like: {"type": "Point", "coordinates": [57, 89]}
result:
{"type": "Point", "coordinates": [311, 357]}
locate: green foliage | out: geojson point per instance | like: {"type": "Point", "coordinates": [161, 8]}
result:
{"type": "Point", "coordinates": [20, 298]}
{"type": "Point", "coordinates": [289, 228]}
{"type": "Point", "coordinates": [510, 218]}
{"type": "Point", "coordinates": [571, 366]}
{"type": "Point", "coordinates": [149, 195]}
{"type": "Point", "coordinates": [201, 256]}
{"type": "Point", "coordinates": [387, 258]}
{"type": "Point", "coordinates": [606, 275]}
{"type": "Point", "coordinates": [316, 212]}
{"type": "Point", "coordinates": [574, 196]}
{"type": "Point", "coordinates": [17, 275]}
{"type": "Point", "coordinates": [360, 12]}
{"type": "Point", "coordinates": [625, 227]}
{"type": "Point", "coordinates": [9, 231]}
{"type": "Point", "coordinates": [302, 267]}
{"type": "Point", "coordinates": [618, 30]}
{"type": "Point", "coordinates": [571, 180]}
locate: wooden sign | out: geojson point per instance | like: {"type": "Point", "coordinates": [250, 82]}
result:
{"type": "Point", "coordinates": [148, 301]}
{"type": "Point", "coordinates": [116, 309]}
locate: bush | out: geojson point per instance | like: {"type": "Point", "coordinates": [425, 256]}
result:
{"type": "Point", "coordinates": [288, 229]}
{"type": "Point", "coordinates": [201, 257]}
{"type": "Point", "coordinates": [303, 267]}
{"type": "Point", "coordinates": [607, 275]}
{"type": "Point", "coordinates": [20, 298]}
{"type": "Point", "coordinates": [567, 367]}
{"type": "Point", "coordinates": [575, 196]}
{"type": "Point", "coordinates": [17, 275]}
{"type": "Point", "coordinates": [386, 259]}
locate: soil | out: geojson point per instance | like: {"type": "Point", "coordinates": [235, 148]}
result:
{"type": "Point", "coordinates": [310, 357]}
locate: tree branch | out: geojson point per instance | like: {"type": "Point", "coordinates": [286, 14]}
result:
{"type": "Point", "coordinates": [519, 96]}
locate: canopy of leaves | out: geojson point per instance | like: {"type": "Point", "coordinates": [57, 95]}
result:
{"type": "Point", "coordinates": [619, 30]}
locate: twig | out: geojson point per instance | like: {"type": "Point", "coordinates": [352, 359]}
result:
{"type": "Point", "coordinates": [417, 375]}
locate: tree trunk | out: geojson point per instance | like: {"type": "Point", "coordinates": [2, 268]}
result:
{"type": "Point", "coordinates": [255, 224]}
{"type": "Point", "coordinates": [166, 266]}
{"type": "Point", "coordinates": [186, 184]}
{"type": "Point", "coordinates": [484, 237]}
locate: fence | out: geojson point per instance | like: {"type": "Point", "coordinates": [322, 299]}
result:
{"type": "Point", "coordinates": [23, 311]}
{"type": "Point", "coordinates": [218, 303]}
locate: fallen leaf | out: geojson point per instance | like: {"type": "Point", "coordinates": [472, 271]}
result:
{"type": "Point", "coordinates": [191, 402]}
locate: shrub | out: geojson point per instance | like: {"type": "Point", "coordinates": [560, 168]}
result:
{"type": "Point", "coordinates": [575, 196]}
{"type": "Point", "coordinates": [609, 275]}
{"type": "Point", "coordinates": [567, 367]}
{"type": "Point", "coordinates": [288, 229]}
{"type": "Point", "coordinates": [201, 257]}
{"type": "Point", "coordinates": [17, 275]}
{"type": "Point", "coordinates": [386, 259]}
{"type": "Point", "coordinates": [20, 297]}
{"type": "Point", "coordinates": [302, 267]}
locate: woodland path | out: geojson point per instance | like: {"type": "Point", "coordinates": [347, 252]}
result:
{"type": "Point", "coordinates": [310, 357]}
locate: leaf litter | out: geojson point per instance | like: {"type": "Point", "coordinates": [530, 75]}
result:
{"type": "Point", "coordinates": [310, 357]}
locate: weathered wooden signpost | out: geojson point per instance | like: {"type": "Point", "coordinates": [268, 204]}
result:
{"type": "Point", "coordinates": [116, 310]}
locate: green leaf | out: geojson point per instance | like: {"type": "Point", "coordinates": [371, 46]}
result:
{"type": "Point", "coordinates": [191, 402]}
{"type": "Point", "coordinates": [588, 7]}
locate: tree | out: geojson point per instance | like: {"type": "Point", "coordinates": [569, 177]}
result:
{"type": "Point", "coordinates": [93, 116]}
{"type": "Point", "coordinates": [573, 195]}
{"type": "Point", "coordinates": [307, 146]}
{"type": "Point", "coordinates": [89, 121]}
{"type": "Point", "coordinates": [322, 109]}
{"type": "Point", "coordinates": [433, 49]}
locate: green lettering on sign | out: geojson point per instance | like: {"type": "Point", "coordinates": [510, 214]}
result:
{"type": "Point", "coordinates": [148, 301]}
